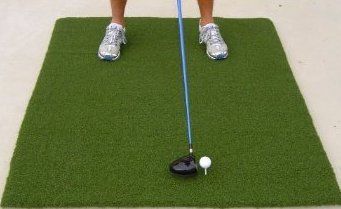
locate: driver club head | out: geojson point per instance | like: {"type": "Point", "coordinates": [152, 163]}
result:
{"type": "Point", "coordinates": [184, 166]}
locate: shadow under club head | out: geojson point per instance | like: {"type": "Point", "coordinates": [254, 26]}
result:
{"type": "Point", "coordinates": [184, 166]}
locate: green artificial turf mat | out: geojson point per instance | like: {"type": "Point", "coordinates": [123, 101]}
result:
{"type": "Point", "coordinates": [103, 133]}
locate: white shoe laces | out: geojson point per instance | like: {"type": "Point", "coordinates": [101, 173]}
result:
{"type": "Point", "coordinates": [114, 36]}
{"type": "Point", "coordinates": [211, 35]}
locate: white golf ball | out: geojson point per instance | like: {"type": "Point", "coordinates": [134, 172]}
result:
{"type": "Point", "coordinates": [205, 162]}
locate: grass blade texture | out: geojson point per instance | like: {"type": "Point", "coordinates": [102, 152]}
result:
{"type": "Point", "coordinates": [103, 133]}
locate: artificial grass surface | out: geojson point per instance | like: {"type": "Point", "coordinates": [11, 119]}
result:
{"type": "Point", "coordinates": [102, 134]}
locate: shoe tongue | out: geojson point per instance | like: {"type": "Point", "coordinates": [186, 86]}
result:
{"type": "Point", "coordinates": [115, 25]}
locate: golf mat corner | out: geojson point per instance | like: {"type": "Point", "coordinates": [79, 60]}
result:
{"type": "Point", "coordinates": [103, 133]}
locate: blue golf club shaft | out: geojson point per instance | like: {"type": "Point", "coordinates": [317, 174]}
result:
{"type": "Point", "coordinates": [184, 75]}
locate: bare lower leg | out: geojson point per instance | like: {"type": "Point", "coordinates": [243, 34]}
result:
{"type": "Point", "coordinates": [117, 11]}
{"type": "Point", "coordinates": [206, 11]}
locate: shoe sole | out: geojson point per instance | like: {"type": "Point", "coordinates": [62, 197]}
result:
{"type": "Point", "coordinates": [109, 58]}
{"type": "Point", "coordinates": [217, 58]}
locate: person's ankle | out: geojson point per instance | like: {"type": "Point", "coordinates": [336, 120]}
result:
{"type": "Point", "coordinates": [118, 22]}
{"type": "Point", "coordinates": [205, 21]}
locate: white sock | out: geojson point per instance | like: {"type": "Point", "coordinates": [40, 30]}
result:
{"type": "Point", "coordinates": [115, 25]}
{"type": "Point", "coordinates": [207, 25]}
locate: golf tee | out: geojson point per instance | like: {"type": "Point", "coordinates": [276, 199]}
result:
{"type": "Point", "coordinates": [205, 171]}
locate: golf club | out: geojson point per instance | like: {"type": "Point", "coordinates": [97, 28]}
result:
{"type": "Point", "coordinates": [185, 165]}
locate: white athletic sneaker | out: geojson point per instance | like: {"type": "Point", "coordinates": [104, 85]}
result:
{"type": "Point", "coordinates": [216, 47]}
{"type": "Point", "coordinates": [111, 45]}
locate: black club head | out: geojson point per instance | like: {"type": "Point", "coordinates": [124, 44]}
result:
{"type": "Point", "coordinates": [184, 166]}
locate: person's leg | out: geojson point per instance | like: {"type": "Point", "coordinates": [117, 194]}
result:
{"type": "Point", "coordinates": [206, 11]}
{"type": "Point", "coordinates": [117, 11]}
{"type": "Point", "coordinates": [216, 47]}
